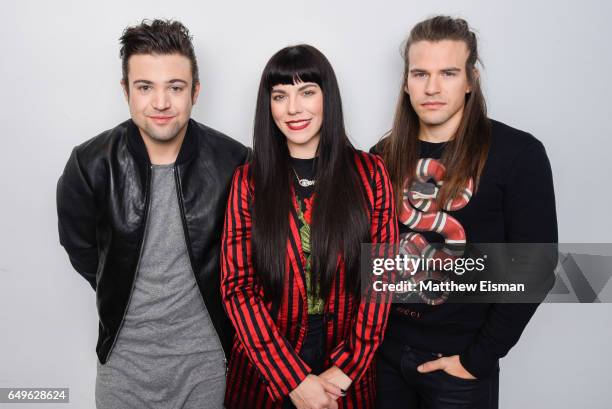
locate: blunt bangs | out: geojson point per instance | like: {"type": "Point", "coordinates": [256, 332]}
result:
{"type": "Point", "coordinates": [292, 65]}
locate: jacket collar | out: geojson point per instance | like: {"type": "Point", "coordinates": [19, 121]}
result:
{"type": "Point", "coordinates": [138, 148]}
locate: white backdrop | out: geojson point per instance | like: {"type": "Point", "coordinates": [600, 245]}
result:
{"type": "Point", "coordinates": [548, 67]}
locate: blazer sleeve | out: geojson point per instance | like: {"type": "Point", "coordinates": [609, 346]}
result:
{"type": "Point", "coordinates": [354, 355]}
{"type": "Point", "coordinates": [279, 365]}
{"type": "Point", "coordinates": [76, 213]}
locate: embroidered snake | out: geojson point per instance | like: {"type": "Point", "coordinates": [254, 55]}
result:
{"type": "Point", "coordinates": [421, 213]}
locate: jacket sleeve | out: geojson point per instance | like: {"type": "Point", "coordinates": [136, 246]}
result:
{"type": "Point", "coordinates": [354, 355]}
{"type": "Point", "coordinates": [529, 210]}
{"type": "Point", "coordinates": [278, 363]}
{"type": "Point", "coordinates": [76, 213]}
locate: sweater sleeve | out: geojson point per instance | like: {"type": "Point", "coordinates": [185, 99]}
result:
{"type": "Point", "coordinates": [530, 217]}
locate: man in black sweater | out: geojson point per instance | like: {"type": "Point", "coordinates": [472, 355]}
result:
{"type": "Point", "coordinates": [476, 181]}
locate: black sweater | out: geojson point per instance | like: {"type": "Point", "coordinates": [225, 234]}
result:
{"type": "Point", "coordinates": [514, 203]}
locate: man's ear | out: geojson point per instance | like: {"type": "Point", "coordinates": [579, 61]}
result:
{"type": "Point", "coordinates": [195, 93]}
{"type": "Point", "coordinates": [126, 93]}
{"type": "Point", "coordinates": [475, 77]}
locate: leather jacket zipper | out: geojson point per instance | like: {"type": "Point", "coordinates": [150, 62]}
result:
{"type": "Point", "coordinates": [142, 240]}
{"type": "Point", "coordinates": [188, 245]}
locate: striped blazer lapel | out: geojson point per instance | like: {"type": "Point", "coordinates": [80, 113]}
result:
{"type": "Point", "coordinates": [294, 247]}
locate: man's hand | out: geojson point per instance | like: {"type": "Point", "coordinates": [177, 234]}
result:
{"type": "Point", "coordinates": [315, 393]}
{"type": "Point", "coordinates": [451, 365]}
{"type": "Point", "coordinates": [337, 377]}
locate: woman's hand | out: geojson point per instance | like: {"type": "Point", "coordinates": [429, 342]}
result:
{"type": "Point", "coordinates": [337, 377]}
{"type": "Point", "coordinates": [315, 393]}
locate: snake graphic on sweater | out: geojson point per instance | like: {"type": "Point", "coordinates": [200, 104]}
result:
{"type": "Point", "coordinates": [421, 213]}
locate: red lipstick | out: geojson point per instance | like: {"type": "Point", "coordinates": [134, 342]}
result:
{"type": "Point", "coordinates": [298, 125]}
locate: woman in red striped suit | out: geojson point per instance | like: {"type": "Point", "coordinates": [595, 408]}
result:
{"type": "Point", "coordinates": [296, 217]}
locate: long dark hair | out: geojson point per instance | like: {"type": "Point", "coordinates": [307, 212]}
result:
{"type": "Point", "coordinates": [339, 219]}
{"type": "Point", "coordinates": [467, 152]}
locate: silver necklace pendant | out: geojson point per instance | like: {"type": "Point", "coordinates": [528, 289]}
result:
{"type": "Point", "coordinates": [306, 182]}
{"type": "Point", "coordinates": [303, 182]}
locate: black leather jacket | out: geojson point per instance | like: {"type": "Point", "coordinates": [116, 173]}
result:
{"type": "Point", "coordinates": [102, 203]}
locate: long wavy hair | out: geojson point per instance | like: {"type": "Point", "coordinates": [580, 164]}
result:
{"type": "Point", "coordinates": [339, 219]}
{"type": "Point", "coordinates": [466, 153]}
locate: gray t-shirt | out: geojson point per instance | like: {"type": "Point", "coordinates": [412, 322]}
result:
{"type": "Point", "coordinates": [167, 354]}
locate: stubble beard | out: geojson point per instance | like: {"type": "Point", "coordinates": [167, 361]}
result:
{"type": "Point", "coordinates": [164, 135]}
{"type": "Point", "coordinates": [439, 118]}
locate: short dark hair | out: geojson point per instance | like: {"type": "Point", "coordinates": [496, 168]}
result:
{"type": "Point", "coordinates": [161, 37]}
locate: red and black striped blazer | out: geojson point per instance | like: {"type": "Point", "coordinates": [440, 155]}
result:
{"type": "Point", "coordinates": [265, 365]}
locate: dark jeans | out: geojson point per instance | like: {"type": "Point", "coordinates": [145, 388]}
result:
{"type": "Point", "coordinates": [313, 350]}
{"type": "Point", "coordinates": [399, 384]}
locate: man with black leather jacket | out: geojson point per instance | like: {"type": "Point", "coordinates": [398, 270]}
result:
{"type": "Point", "coordinates": [140, 210]}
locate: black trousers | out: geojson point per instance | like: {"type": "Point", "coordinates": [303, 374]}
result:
{"type": "Point", "coordinates": [313, 349]}
{"type": "Point", "coordinates": [400, 386]}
